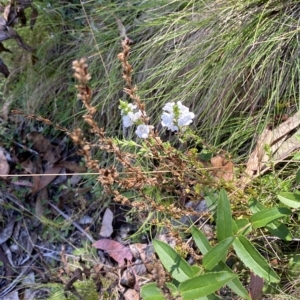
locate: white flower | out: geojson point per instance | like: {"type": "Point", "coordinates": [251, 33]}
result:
{"type": "Point", "coordinates": [176, 115]}
{"type": "Point", "coordinates": [130, 115]}
{"type": "Point", "coordinates": [143, 131]}
{"type": "Point", "coordinates": [135, 116]}
{"type": "Point", "coordinates": [167, 120]}
{"type": "Point", "coordinates": [169, 107]}
{"type": "Point", "coordinates": [186, 119]}
{"type": "Point", "coordinates": [127, 122]}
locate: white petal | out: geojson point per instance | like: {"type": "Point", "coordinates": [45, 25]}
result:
{"type": "Point", "coordinates": [143, 131]}
{"type": "Point", "coordinates": [169, 107]}
{"type": "Point", "coordinates": [186, 119]}
{"type": "Point", "coordinates": [127, 122]}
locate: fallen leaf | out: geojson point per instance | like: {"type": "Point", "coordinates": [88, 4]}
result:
{"type": "Point", "coordinates": [22, 183]}
{"type": "Point", "coordinates": [39, 207]}
{"type": "Point", "coordinates": [28, 166]}
{"type": "Point", "coordinates": [49, 152]}
{"type": "Point", "coordinates": [4, 166]}
{"type": "Point", "coordinates": [115, 250]}
{"type": "Point", "coordinates": [51, 173]}
{"type": "Point", "coordinates": [7, 231]}
{"type": "Point", "coordinates": [222, 167]}
{"type": "Point", "coordinates": [280, 143]}
{"type": "Point", "coordinates": [131, 294]}
{"type": "Point", "coordinates": [12, 296]}
{"type": "Point", "coordinates": [6, 107]}
{"type": "Point", "coordinates": [106, 227]}
{"type": "Point", "coordinates": [72, 166]}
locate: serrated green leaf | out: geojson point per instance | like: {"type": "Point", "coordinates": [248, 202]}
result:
{"type": "Point", "coordinates": [151, 292]}
{"type": "Point", "coordinates": [217, 253]}
{"type": "Point", "coordinates": [280, 230]}
{"type": "Point", "coordinates": [200, 240]}
{"type": "Point", "coordinates": [173, 262]}
{"type": "Point", "coordinates": [224, 217]}
{"type": "Point", "coordinates": [204, 246]}
{"type": "Point", "coordinates": [276, 228]}
{"type": "Point", "coordinates": [264, 217]}
{"type": "Point", "coordinates": [253, 259]}
{"type": "Point", "coordinates": [290, 199]}
{"type": "Point", "coordinates": [197, 270]}
{"type": "Point", "coordinates": [204, 285]}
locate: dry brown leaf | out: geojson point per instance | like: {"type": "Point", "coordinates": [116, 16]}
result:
{"type": "Point", "coordinates": [6, 107]}
{"type": "Point", "coordinates": [28, 166]}
{"type": "Point", "coordinates": [48, 152]}
{"type": "Point", "coordinates": [280, 144]}
{"type": "Point", "coordinates": [72, 166]}
{"type": "Point", "coordinates": [131, 294]}
{"type": "Point", "coordinates": [4, 166]}
{"type": "Point", "coordinates": [222, 167]}
{"type": "Point", "coordinates": [51, 173]}
{"type": "Point", "coordinates": [115, 250]}
{"type": "Point", "coordinates": [106, 226]}
{"type": "Point", "coordinates": [39, 209]}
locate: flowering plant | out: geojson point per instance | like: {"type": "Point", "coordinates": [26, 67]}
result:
{"type": "Point", "coordinates": [175, 117]}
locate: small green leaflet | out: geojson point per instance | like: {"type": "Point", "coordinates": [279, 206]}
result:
{"type": "Point", "coordinates": [204, 246]}
{"type": "Point", "coordinates": [151, 292]}
{"type": "Point", "coordinates": [173, 262]}
{"type": "Point", "coordinates": [266, 216]}
{"type": "Point", "coordinates": [204, 285]}
{"type": "Point", "coordinates": [290, 199]}
{"type": "Point", "coordinates": [217, 253]}
{"type": "Point", "coordinates": [224, 217]}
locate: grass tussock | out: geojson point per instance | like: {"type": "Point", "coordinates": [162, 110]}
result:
{"type": "Point", "coordinates": [233, 62]}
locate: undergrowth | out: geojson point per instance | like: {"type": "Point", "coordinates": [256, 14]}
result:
{"type": "Point", "coordinates": [233, 63]}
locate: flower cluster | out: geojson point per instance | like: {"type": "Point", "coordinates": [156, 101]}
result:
{"type": "Point", "coordinates": [175, 117]}
{"type": "Point", "coordinates": [132, 115]}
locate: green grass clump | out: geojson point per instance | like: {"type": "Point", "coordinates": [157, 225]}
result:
{"type": "Point", "coordinates": [234, 63]}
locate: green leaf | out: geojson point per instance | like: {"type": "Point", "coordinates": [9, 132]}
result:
{"type": "Point", "coordinates": [209, 297]}
{"type": "Point", "coordinates": [204, 285]}
{"type": "Point", "coordinates": [173, 262]}
{"type": "Point", "coordinates": [151, 292]}
{"type": "Point", "coordinates": [253, 259]}
{"type": "Point", "coordinates": [241, 226]}
{"type": "Point", "coordinates": [211, 202]}
{"type": "Point", "coordinates": [266, 216]}
{"type": "Point", "coordinates": [204, 246]}
{"type": "Point", "coordinates": [298, 177]}
{"type": "Point", "coordinates": [280, 230]}
{"type": "Point", "coordinates": [197, 270]}
{"type": "Point", "coordinates": [217, 253]}
{"type": "Point", "coordinates": [224, 217]}
{"type": "Point", "coordinates": [276, 228]}
{"type": "Point", "coordinates": [200, 240]}
{"type": "Point", "coordinates": [173, 289]}
{"type": "Point", "coordinates": [296, 156]}
{"type": "Point", "coordinates": [290, 199]}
